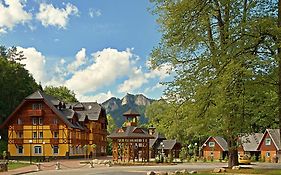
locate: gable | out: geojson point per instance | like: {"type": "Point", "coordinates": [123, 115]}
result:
{"type": "Point", "coordinates": [120, 130]}
{"type": "Point", "coordinates": [263, 146]}
{"type": "Point", "coordinates": [138, 130]}
{"type": "Point", "coordinates": [207, 146]}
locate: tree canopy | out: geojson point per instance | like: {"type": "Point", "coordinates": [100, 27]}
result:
{"type": "Point", "coordinates": [16, 82]}
{"type": "Point", "coordinates": [223, 55]}
{"type": "Point", "coordinates": [62, 93]}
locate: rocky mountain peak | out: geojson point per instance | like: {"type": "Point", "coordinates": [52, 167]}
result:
{"type": "Point", "coordinates": [116, 107]}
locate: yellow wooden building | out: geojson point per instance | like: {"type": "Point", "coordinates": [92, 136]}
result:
{"type": "Point", "coordinates": [42, 126]}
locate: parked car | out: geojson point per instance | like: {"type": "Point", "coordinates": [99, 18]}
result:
{"type": "Point", "coordinates": [244, 160]}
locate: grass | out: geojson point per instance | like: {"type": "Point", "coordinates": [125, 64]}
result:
{"type": "Point", "coordinates": [15, 165]}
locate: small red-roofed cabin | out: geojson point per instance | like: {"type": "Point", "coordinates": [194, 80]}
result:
{"type": "Point", "coordinates": [214, 148]}
{"type": "Point", "coordinates": [269, 145]}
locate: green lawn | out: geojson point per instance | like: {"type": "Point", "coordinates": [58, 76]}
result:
{"type": "Point", "coordinates": [14, 165]}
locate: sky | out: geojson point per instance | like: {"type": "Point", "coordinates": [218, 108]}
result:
{"type": "Point", "coordinates": [98, 48]}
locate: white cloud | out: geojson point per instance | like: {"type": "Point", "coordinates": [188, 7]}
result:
{"type": "Point", "coordinates": [135, 81]}
{"type": "Point", "coordinates": [161, 72]}
{"type": "Point", "coordinates": [34, 62]}
{"type": "Point", "coordinates": [80, 59]}
{"type": "Point", "coordinates": [137, 78]}
{"type": "Point", "coordinates": [94, 13]}
{"type": "Point", "coordinates": [100, 98]}
{"type": "Point", "coordinates": [52, 16]}
{"type": "Point", "coordinates": [62, 61]}
{"type": "Point", "coordinates": [11, 14]}
{"type": "Point", "coordinates": [109, 64]}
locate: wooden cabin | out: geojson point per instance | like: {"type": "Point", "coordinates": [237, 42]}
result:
{"type": "Point", "coordinates": [269, 145]}
{"type": "Point", "coordinates": [249, 144]}
{"type": "Point", "coordinates": [214, 148]}
{"type": "Point", "coordinates": [42, 126]}
{"type": "Point", "coordinates": [170, 147]}
{"type": "Point", "coordinates": [155, 142]}
{"type": "Point", "coordinates": [130, 143]}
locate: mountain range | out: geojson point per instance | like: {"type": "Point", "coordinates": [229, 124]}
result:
{"type": "Point", "coordinates": [116, 107]}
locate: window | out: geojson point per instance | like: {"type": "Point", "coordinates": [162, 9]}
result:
{"type": "Point", "coordinates": [211, 144]}
{"type": "Point", "coordinates": [56, 149]}
{"type": "Point", "coordinates": [55, 121]}
{"type": "Point", "coordinates": [41, 135]}
{"type": "Point", "coordinates": [20, 134]}
{"type": "Point", "coordinates": [34, 120]}
{"type": "Point", "coordinates": [19, 121]}
{"type": "Point", "coordinates": [56, 135]}
{"type": "Point", "coordinates": [37, 150]}
{"type": "Point", "coordinates": [40, 121]}
{"type": "Point", "coordinates": [34, 135]}
{"type": "Point", "coordinates": [267, 141]}
{"type": "Point", "coordinates": [36, 106]}
{"type": "Point", "coordinates": [20, 149]}
{"type": "Point", "coordinates": [267, 154]}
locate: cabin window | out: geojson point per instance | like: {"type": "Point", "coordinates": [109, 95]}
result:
{"type": "Point", "coordinates": [36, 106]}
{"type": "Point", "coordinates": [56, 134]}
{"type": "Point", "coordinates": [41, 135]}
{"type": "Point", "coordinates": [19, 121]}
{"type": "Point", "coordinates": [37, 149]}
{"type": "Point", "coordinates": [56, 149]}
{"type": "Point", "coordinates": [267, 141]}
{"type": "Point", "coordinates": [211, 144]}
{"type": "Point", "coordinates": [34, 135]}
{"type": "Point", "coordinates": [20, 134]}
{"type": "Point", "coordinates": [267, 154]}
{"type": "Point", "coordinates": [20, 149]}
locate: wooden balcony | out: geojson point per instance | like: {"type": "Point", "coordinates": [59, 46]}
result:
{"type": "Point", "coordinates": [35, 112]}
{"type": "Point", "coordinates": [54, 141]}
{"type": "Point", "coordinates": [54, 127]}
{"type": "Point", "coordinates": [18, 127]}
{"type": "Point", "coordinates": [18, 141]}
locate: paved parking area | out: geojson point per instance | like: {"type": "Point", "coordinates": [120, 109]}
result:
{"type": "Point", "coordinates": [74, 167]}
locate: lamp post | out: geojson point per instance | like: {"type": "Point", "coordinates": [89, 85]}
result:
{"type": "Point", "coordinates": [30, 151]}
{"type": "Point", "coordinates": [44, 151]}
{"type": "Point", "coordinates": [162, 151]}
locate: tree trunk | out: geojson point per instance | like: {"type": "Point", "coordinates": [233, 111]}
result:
{"type": "Point", "coordinates": [279, 72]}
{"type": "Point", "coordinates": [232, 154]}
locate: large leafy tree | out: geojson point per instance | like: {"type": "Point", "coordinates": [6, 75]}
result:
{"type": "Point", "coordinates": [221, 53]}
{"type": "Point", "coordinates": [15, 81]}
{"type": "Point", "coordinates": [62, 93]}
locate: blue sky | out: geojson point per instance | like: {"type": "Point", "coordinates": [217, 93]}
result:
{"type": "Point", "coordinates": [97, 48]}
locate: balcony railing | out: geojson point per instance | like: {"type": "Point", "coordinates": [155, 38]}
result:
{"type": "Point", "coordinates": [54, 127]}
{"type": "Point", "coordinates": [54, 141]}
{"type": "Point", "coordinates": [18, 127]}
{"type": "Point", "coordinates": [35, 112]}
{"type": "Point", "coordinates": [18, 141]}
